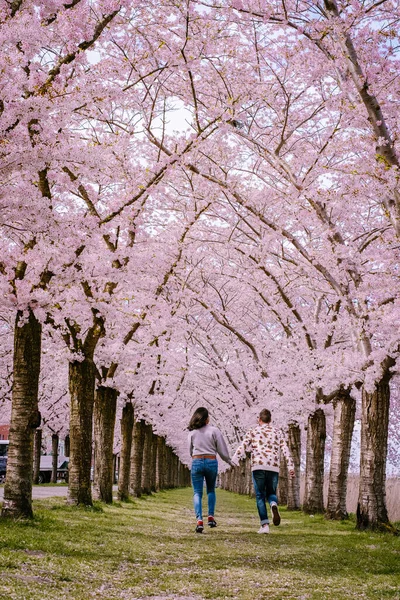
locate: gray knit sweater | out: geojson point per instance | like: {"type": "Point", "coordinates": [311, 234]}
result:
{"type": "Point", "coordinates": [208, 440]}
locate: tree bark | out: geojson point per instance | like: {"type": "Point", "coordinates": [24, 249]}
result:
{"type": "Point", "coordinates": [175, 470]}
{"type": "Point", "coordinates": [147, 459]}
{"type": "Point", "coordinates": [160, 463]}
{"type": "Point", "coordinates": [67, 446]}
{"type": "Point", "coordinates": [314, 486]}
{"type": "Point", "coordinates": [37, 452]}
{"type": "Point", "coordinates": [168, 467]}
{"type": "Point", "coordinates": [126, 449]}
{"type": "Point", "coordinates": [105, 408]}
{"type": "Point", "coordinates": [25, 417]}
{"type": "Point", "coordinates": [249, 479]}
{"type": "Point", "coordinates": [135, 482]}
{"type": "Point", "coordinates": [371, 508]}
{"type": "Point", "coordinates": [344, 407]}
{"type": "Point", "coordinates": [294, 443]}
{"type": "Point", "coordinates": [115, 468]}
{"type": "Point", "coordinates": [81, 389]}
{"type": "Point", "coordinates": [54, 452]}
{"type": "Point", "coordinates": [282, 491]}
{"type": "Point", "coordinates": [153, 471]}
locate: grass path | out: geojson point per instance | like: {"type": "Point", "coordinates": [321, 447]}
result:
{"type": "Point", "coordinates": [148, 549]}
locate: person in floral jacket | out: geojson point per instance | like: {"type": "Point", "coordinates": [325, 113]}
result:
{"type": "Point", "coordinates": [265, 444]}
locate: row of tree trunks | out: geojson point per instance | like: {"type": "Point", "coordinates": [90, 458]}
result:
{"type": "Point", "coordinates": [25, 417]}
{"type": "Point", "coordinates": [289, 488]}
{"type": "Point", "coordinates": [371, 510]}
{"type": "Point", "coordinates": [147, 464]}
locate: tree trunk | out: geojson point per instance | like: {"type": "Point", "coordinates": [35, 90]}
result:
{"type": "Point", "coordinates": [105, 408]}
{"type": "Point", "coordinates": [294, 443]}
{"type": "Point", "coordinates": [344, 407]}
{"type": "Point", "coordinates": [371, 508]}
{"type": "Point", "coordinates": [153, 471]}
{"type": "Point", "coordinates": [25, 417]}
{"type": "Point", "coordinates": [168, 467]}
{"type": "Point", "coordinates": [126, 448]}
{"type": "Point", "coordinates": [135, 482]}
{"type": "Point", "coordinates": [37, 453]}
{"type": "Point", "coordinates": [115, 468]}
{"type": "Point", "coordinates": [160, 463]}
{"type": "Point", "coordinates": [175, 478]}
{"type": "Point", "coordinates": [67, 446]}
{"type": "Point", "coordinates": [282, 492]}
{"type": "Point", "coordinates": [249, 479]}
{"type": "Point", "coordinates": [54, 452]}
{"type": "Point", "coordinates": [314, 487]}
{"type": "Point", "coordinates": [147, 460]}
{"type": "Point", "coordinates": [81, 389]}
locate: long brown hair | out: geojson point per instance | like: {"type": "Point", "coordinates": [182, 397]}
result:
{"type": "Point", "coordinates": [198, 419]}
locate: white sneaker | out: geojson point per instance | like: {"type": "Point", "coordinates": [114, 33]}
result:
{"type": "Point", "coordinates": [264, 529]}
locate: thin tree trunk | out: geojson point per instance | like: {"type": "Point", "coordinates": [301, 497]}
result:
{"type": "Point", "coordinates": [282, 492]}
{"type": "Point", "coordinates": [105, 408]}
{"type": "Point", "coordinates": [147, 460]}
{"type": "Point", "coordinates": [81, 389]}
{"type": "Point", "coordinates": [314, 486]}
{"type": "Point", "coordinates": [153, 473]}
{"type": "Point", "coordinates": [249, 480]}
{"type": "Point", "coordinates": [294, 443]}
{"type": "Point", "coordinates": [168, 467]}
{"type": "Point", "coordinates": [135, 482]}
{"type": "Point", "coordinates": [115, 468]}
{"type": "Point", "coordinates": [37, 453]}
{"type": "Point", "coordinates": [54, 452]}
{"type": "Point", "coordinates": [175, 478]}
{"type": "Point", "coordinates": [344, 407]}
{"type": "Point", "coordinates": [126, 448]}
{"type": "Point", "coordinates": [25, 417]}
{"type": "Point", "coordinates": [242, 480]}
{"type": "Point", "coordinates": [371, 508]}
{"type": "Point", "coordinates": [67, 446]}
{"type": "Point", "coordinates": [160, 463]}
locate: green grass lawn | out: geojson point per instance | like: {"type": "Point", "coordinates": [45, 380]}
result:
{"type": "Point", "coordinates": [148, 548]}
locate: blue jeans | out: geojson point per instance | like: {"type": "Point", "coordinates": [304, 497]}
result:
{"type": "Point", "coordinates": [265, 484]}
{"type": "Point", "coordinates": [204, 469]}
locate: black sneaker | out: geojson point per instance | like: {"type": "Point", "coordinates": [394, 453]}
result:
{"type": "Point", "coordinates": [199, 528]}
{"type": "Point", "coordinates": [212, 523]}
{"type": "Point", "coordinates": [276, 517]}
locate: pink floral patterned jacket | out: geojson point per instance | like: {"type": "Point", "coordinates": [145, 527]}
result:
{"type": "Point", "coordinates": [265, 444]}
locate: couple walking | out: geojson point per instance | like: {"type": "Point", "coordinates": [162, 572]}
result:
{"type": "Point", "coordinates": [264, 442]}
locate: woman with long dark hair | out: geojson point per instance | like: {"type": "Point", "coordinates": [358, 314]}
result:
{"type": "Point", "coordinates": [205, 442]}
